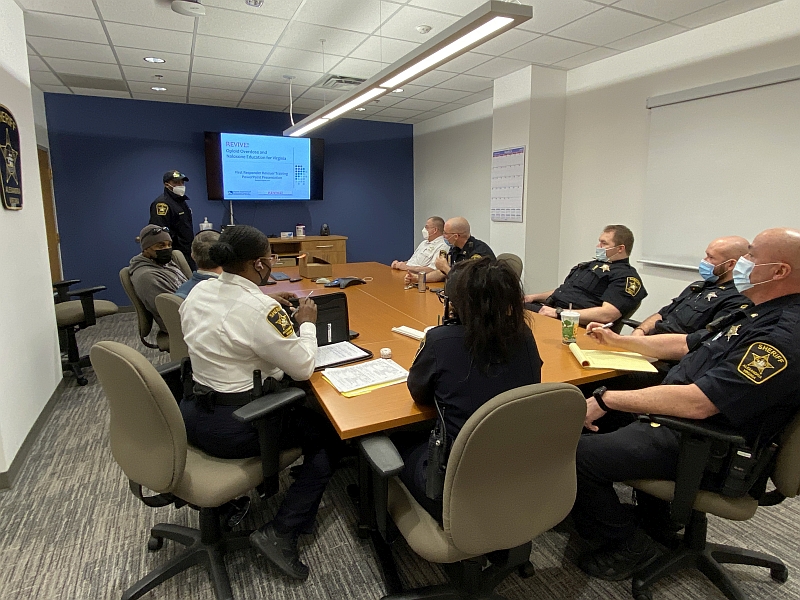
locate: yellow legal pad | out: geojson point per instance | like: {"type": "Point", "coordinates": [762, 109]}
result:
{"type": "Point", "coordinates": [608, 359]}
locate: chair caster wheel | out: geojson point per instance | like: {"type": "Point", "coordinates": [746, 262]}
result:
{"type": "Point", "coordinates": [82, 381]}
{"type": "Point", "coordinates": [780, 574]}
{"type": "Point", "coordinates": [526, 570]}
{"type": "Point", "coordinates": [155, 543]}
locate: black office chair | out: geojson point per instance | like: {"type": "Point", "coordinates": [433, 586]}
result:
{"type": "Point", "coordinates": [625, 319]}
{"type": "Point", "coordinates": [73, 315]}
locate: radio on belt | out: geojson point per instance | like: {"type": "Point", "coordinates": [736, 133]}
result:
{"type": "Point", "coordinates": [386, 353]}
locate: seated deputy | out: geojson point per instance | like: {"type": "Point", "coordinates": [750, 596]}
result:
{"type": "Point", "coordinates": [463, 365]}
{"type": "Point", "coordinates": [206, 268]}
{"type": "Point", "coordinates": [603, 289]}
{"type": "Point", "coordinates": [232, 328]}
{"type": "Point", "coordinates": [745, 374]}
{"type": "Point", "coordinates": [426, 253]}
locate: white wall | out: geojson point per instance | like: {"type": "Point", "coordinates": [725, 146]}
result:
{"type": "Point", "coordinates": [29, 358]}
{"type": "Point", "coordinates": [39, 117]}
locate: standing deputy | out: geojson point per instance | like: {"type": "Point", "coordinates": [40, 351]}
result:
{"type": "Point", "coordinates": [601, 290]}
{"type": "Point", "coordinates": [170, 210]}
{"type": "Point", "coordinates": [745, 375]}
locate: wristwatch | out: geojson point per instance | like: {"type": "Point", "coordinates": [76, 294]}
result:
{"type": "Point", "coordinates": [559, 311]}
{"type": "Point", "coordinates": [598, 397]}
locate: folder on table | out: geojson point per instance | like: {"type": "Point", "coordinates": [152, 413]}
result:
{"type": "Point", "coordinates": [609, 359]}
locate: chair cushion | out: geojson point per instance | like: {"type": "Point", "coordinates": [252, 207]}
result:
{"type": "Point", "coordinates": [422, 532]}
{"type": "Point", "coordinates": [71, 312]}
{"type": "Point", "coordinates": [162, 339]}
{"type": "Point", "coordinates": [734, 509]}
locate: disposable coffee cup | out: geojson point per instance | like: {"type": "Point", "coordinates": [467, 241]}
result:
{"type": "Point", "coordinates": [569, 326]}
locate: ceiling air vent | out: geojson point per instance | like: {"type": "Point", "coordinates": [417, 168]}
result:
{"type": "Point", "coordinates": [93, 83]}
{"type": "Point", "coordinates": [342, 83]}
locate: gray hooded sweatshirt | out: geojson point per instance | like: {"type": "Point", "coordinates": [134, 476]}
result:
{"type": "Point", "coordinates": [150, 279]}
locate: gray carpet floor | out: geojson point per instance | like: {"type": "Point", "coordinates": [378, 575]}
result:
{"type": "Point", "coordinates": [72, 530]}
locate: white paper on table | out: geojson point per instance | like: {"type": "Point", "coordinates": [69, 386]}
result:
{"type": "Point", "coordinates": [339, 352]}
{"type": "Point", "coordinates": [374, 372]}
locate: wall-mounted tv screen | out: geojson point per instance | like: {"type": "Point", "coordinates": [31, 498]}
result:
{"type": "Point", "coordinates": [263, 167]}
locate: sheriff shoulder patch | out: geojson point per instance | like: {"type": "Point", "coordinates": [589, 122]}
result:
{"type": "Point", "coordinates": [280, 321]}
{"type": "Point", "coordinates": [632, 286]}
{"type": "Point", "coordinates": [761, 362]}
{"type": "Point", "coordinates": [421, 346]}
{"type": "Point", "coordinates": [162, 209]}
{"type": "Point", "coordinates": [475, 257]}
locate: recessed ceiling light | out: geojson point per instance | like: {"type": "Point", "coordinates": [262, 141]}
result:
{"type": "Point", "coordinates": [154, 59]}
{"type": "Point", "coordinates": [157, 88]}
{"type": "Point", "coordinates": [361, 108]}
{"type": "Point", "coordinates": [397, 91]}
{"type": "Point", "coordinates": [254, 3]}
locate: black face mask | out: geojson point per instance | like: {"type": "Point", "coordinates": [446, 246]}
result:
{"type": "Point", "coordinates": [264, 278]}
{"type": "Point", "coordinates": [163, 256]}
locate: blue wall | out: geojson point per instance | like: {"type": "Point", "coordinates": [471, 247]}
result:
{"type": "Point", "coordinates": [108, 156]}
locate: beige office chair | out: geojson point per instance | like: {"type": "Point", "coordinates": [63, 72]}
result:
{"type": "Point", "coordinates": [168, 306]}
{"type": "Point", "coordinates": [148, 441]}
{"type": "Point", "coordinates": [513, 261]}
{"type": "Point", "coordinates": [510, 476]}
{"type": "Point", "coordinates": [690, 507]}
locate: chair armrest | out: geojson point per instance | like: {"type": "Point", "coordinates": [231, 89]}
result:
{"type": "Point", "coordinates": [631, 322]}
{"type": "Point", "coordinates": [87, 303]}
{"type": "Point", "coordinates": [381, 455]}
{"type": "Point", "coordinates": [266, 405]}
{"type": "Point", "coordinates": [61, 289]}
{"type": "Point", "coordinates": [171, 373]}
{"type": "Point", "coordinates": [694, 427]}
{"type": "Point", "coordinates": [86, 291]}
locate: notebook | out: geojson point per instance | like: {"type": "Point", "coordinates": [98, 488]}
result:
{"type": "Point", "coordinates": [608, 359]}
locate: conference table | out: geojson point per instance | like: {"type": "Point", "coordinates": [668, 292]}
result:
{"type": "Point", "coordinates": [382, 303]}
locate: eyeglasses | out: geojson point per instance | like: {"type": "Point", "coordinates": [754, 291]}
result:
{"type": "Point", "coordinates": [272, 259]}
{"type": "Point", "coordinates": [154, 231]}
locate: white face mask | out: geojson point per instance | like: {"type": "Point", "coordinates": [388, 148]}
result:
{"type": "Point", "coordinates": [424, 234]}
{"type": "Point", "coordinates": [179, 190]}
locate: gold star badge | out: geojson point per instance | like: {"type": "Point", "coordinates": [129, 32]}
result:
{"type": "Point", "coordinates": [734, 330]}
{"type": "Point", "coordinates": [605, 268]}
{"type": "Point", "coordinates": [761, 363]}
{"type": "Point", "coordinates": [711, 295]}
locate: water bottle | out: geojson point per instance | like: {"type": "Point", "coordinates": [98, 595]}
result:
{"type": "Point", "coordinates": [421, 282]}
{"type": "Point", "coordinates": [205, 225]}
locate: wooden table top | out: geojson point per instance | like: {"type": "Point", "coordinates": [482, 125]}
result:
{"type": "Point", "coordinates": [383, 303]}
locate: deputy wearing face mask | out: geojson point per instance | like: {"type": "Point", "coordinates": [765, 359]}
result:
{"type": "Point", "coordinates": [603, 289]}
{"type": "Point", "coordinates": [170, 210]}
{"type": "Point", "coordinates": [154, 272]}
{"type": "Point", "coordinates": [703, 301]}
{"type": "Point", "coordinates": [424, 257]}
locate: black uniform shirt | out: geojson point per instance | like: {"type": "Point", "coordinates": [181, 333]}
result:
{"type": "Point", "coordinates": [698, 305]}
{"type": "Point", "coordinates": [750, 369]}
{"type": "Point", "coordinates": [474, 248]}
{"type": "Point", "coordinates": [444, 369]}
{"type": "Point", "coordinates": [170, 210]}
{"type": "Point", "coordinates": [591, 283]}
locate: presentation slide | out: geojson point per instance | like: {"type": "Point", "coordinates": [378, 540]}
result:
{"type": "Point", "coordinates": [260, 167]}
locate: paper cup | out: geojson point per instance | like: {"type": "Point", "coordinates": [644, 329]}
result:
{"type": "Point", "coordinates": [569, 326]}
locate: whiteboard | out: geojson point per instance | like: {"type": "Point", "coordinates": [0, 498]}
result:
{"type": "Point", "coordinates": [724, 165]}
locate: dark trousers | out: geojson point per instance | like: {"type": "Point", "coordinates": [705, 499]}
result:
{"type": "Point", "coordinates": [637, 451]}
{"type": "Point", "coordinates": [217, 433]}
{"type": "Point", "coordinates": [413, 449]}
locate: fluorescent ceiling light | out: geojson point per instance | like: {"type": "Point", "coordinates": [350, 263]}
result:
{"type": "Point", "coordinates": [479, 26]}
{"type": "Point", "coordinates": [157, 88]}
{"type": "Point", "coordinates": [154, 59]}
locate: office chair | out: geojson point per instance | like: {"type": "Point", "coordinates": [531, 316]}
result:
{"type": "Point", "coordinates": [510, 476]}
{"type": "Point", "coordinates": [690, 505]}
{"type": "Point", "coordinates": [168, 306]}
{"type": "Point", "coordinates": [148, 441]}
{"type": "Point", "coordinates": [72, 315]}
{"type": "Point", "coordinates": [513, 261]}
{"type": "Point", "coordinates": [625, 319]}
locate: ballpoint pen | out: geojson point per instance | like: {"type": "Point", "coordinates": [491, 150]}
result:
{"type": "Point", "coordinates": [606, 326]}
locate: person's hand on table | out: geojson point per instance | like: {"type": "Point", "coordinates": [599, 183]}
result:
{"type": "Point", "coordinates": [602, 334]}
{"type": "Point", "coordinates": [411, 278]}
{"type": "Point", "coordinates": [283, 297]}
{"type": "Point", "coordinates": [593, 412]}
{"type": "Point", "coordinates": [398, 264]}
{"type": "Point", "coordinates": [548, 311]}
{"type": "Point", "coordinates": [306, 311]}
{"type": "Point", "coordinates": [441, 264]}
{"type": "Point", "coordinates": [528, 298]}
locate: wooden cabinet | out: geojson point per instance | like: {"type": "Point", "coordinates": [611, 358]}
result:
{"type": "Point", "coordinates": [330, 248]}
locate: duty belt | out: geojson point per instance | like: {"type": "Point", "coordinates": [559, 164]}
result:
{"type": "Point", "coordinates": [208, 396]}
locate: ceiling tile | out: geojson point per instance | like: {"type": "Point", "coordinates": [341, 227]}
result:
{"type": "Point", "coordinates": [317, 93]}
{"type": "Point", "coordinates": [455, 7]}
{"type": "Point", "coordinates": [354, 15]}
{"type": "Point", "coordinates": [227, 49]}
{"type": "Point", "coordinates": [468, 83]}
{"type": "Point", "coordinates": [105, 93]}
{"type": "Point", "coordinates": [144, 12]}
{"type": "Point", "coordinates": [36, 64]}
{"type": "Point", "coordinates": [149, 75]}
{"type": "Point", "coordinates": [211, 93]}
{"type": "Point", "coordinates": [506, 41]}
{"type": "Point", "coordinates": [241, 26]}
{"type": "Point", "coordinates": [221, 83]}
{"type": "Point", "coordinates": [604, 26]}
{"type": "Point", "coordinates": [272, 99]}
{"type": "Point", "coordinates": [145, 87]}
{"type": "Point", "coordinates": [498, 67]}
{"type": "Point", "coordinates": [586, 58]}
{"type": "Point", "coordinates": [484, 95]}
{"type": "Point", "coordinates": [75, 8]}
{"type": "Point", "coordinates": [303, 60]}
{"type": "Point", "coordinates": [80, 67]}
{"type": "Point", "coordinates": [54, 89]}
{"type": "Point", "coordinates": [408, 91]}
{"type": "Point", "coordinates": [465, 62]}
{"type": "Point", "coordinates": [552, 14]}
{"type": "Point", "coordinates": [307, 104]}
{"type": "Point", "coordinates": [228, 68]}
{"type": "Point", "coordinates": [135, 58]}
{"type": "Point", "coordinates": [265, 107]}
{"type": "Point", "coordinates": [283, 9]}
{"type": "Point", "coordinates": [398, 113]}
{"type": "Point", "coordinates": [71, 49]}
{"type": "Point", "coordinates": [547, 50]}
{"type": "Point", "coordinates": [433, 78]}
{"type": "Point", "coordinates": [153, 96]}
{"type": "Point", "coordinates": [383, 49]}
{"type": "Point", "coordinates": [403, 24]}
{"type": "Point", "coordinates": [149, 38]}
{"type": "Point", "coordinates": [274, 89]}
{"type": "Point", "coordinates": [721, 11]}
{"type": "Point", "coordinates": [415, 104]}
{"type": "Point", "coordinates": [44, 78]}
{"type": "Point", "coordinates": [648, 36]}
{"type": "Point", "coordinates": [305, 36]}
{"type": "Point", "coordinates": [441, 95]}
{"type": "Point", "coordinates": [275, 74]}
{"type": "Point", "coordinates": [666, 11]}
{"type": "Point", "coordinates": [378, 117]}
{"type": "Point", "coordinates": [65, 27]}
{"type": "Point", "coordinates": [357, 67]}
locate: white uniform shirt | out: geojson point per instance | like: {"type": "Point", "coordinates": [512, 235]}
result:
{"type": "Point", "coordinates": [232, 328]}
{"type": "Point", "coordinates": [426, 253]}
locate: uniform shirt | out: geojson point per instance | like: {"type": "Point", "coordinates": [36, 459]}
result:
{"type": "Point", "coordinates": [591, 283]}
{"type": "Point", "coordinates": [698, 305]}
{"type": "Point", "coordinates": [196, 278]}
{"type": "Point", "coordinates": [443, 369]}
{"type": "Point", "coordinates": [232, 328]}
{"type": "Point", "coordinates": [171, 211]}
{"type": "Point", "coordinates": [750, 368]}
{"type": "Point", "coordinates": [426, 253]}
{"type": "Point", "coordinates": [473, 249]}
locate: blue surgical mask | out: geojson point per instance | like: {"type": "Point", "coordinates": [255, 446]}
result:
{"type": "Point", "coordinates": [447, 242]}
{"type": "Point", "coordinates": [742, 272]}
{"type": "Point", "coordinates": [602, 254]}
{"type": "Point", "coordinates": [707, 271]}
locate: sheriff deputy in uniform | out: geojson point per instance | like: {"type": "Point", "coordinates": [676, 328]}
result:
{"type": "Point", "coordinates": [462, 247]}
{"type": "Point", "coordinates": [170, 210]}
{"type": "Point", "coordinates": [232, 328]}
{"type": "Point", "coordinates": [745, 375]}
{"type": "Point", "coordinates": [603, 289]}
{"type": "Point", "coordinates": [703, 301]}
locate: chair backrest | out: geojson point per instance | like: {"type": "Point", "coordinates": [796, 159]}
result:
{"type": "Point", "coordinates": [511, 471]}
{"type": "Point", "coordinates": [144, 318]}
{"type": "Point", "coordinates": [148, 437]}
{"type": "Point", "coordinates": [180, 259]}
{"type": "Point", "coordinates": [513, 261]}
{"type": "Point", "coordinates": [618, 324]}
{"type": "Point", "coordinates": [786, 474]}
{"type": "Point", "coordinates": [168, 306]}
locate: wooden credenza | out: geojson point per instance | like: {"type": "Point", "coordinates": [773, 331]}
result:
{"type": "Point", "coordinates": [330, 248]}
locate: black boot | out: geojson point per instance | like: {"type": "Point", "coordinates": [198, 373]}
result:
{"type": "Point", "coordinates": [280, 550]}
{"type": "Point", "coordinates": [621, 560]}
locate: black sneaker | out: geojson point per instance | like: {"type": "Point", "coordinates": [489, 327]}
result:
{"type": "Point", "coordinates": [280, 550]}
{"type": "Point", "coordinates": [621, 561]}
